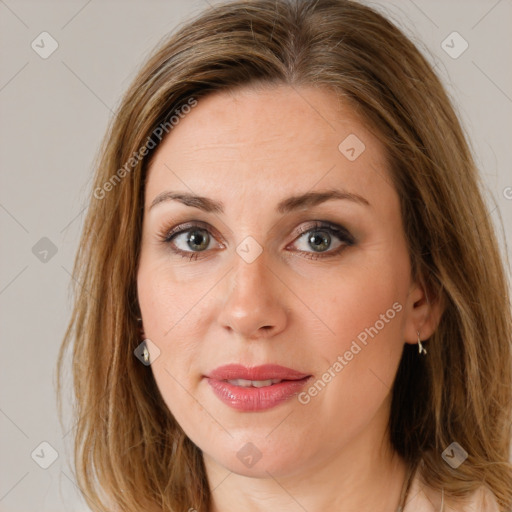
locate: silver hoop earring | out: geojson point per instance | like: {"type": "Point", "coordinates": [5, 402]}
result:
{"type": "Point", "coordinates": [421, 348]}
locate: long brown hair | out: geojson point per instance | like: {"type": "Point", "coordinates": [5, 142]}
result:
{"type": "Point", "coordinates": [130, 453]}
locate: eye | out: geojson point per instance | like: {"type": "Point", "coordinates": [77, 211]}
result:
{"type": "Point", "coordinates": [188, 240]}
{"type": "Point", "coordinates": [195, 239]}
{"type": "Point", "coordinates": [319, 237]}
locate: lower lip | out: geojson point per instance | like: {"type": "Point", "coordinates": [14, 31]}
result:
{"type": "Point", "coordinates": [256, 399]}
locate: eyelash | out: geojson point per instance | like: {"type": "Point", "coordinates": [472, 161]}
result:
{"type": "Point", "coordinates": [166, 236]}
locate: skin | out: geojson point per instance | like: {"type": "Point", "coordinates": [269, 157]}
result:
{"type": "Point", "coordinates": [250, 149]}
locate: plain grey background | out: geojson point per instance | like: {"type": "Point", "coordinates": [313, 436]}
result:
{"type": "Point", "coordinates": [54, 112]}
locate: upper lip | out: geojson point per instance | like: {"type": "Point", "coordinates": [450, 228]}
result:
{"type": "Point", "coordinates": [263, 372]}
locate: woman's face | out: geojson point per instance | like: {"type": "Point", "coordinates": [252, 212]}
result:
{"type": "Point", "coordinates": [256, 271]}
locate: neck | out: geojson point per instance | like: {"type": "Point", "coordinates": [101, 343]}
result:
{"type": "Point", "coordinates": [365, 475]}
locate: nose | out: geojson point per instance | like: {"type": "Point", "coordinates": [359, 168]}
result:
{"type": "Point", "coordinates": [254, 303]}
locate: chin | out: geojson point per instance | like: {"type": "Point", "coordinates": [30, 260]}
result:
{"type": "Point", "coordinates": [259, 456]}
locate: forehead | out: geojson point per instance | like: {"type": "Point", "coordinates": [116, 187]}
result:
{"type": "Point", "coordinates": [267, 142]}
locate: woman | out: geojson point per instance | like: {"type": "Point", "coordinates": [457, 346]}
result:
{"type": "Point", "coordinates": [295, 295]}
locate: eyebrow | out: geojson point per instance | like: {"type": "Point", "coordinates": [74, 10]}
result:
{"type": "Point", "coordinates": [287, 205]}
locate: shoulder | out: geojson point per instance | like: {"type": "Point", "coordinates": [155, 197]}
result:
{"type": "Point", "coordinates": [422, 498]}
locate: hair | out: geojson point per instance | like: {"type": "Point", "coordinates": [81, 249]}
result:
{"type": "Point", "coordinates": [130, 453]}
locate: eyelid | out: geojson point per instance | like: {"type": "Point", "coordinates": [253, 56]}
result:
{"type": "Point", "coordinates": [333, 227]}
{"type": "Point", "coordinates": [344, 236]}
{"type": "Point", "coordinates": [166, 234]}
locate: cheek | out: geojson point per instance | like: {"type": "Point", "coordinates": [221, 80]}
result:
{"type": "Point", "coordinates": [167, 311]}
{"type": "Point", "coordinates": [166, 299]}
{"type": "Point", "coordinates": [360, 353]}
{"type": "Point", "coordinates": [166, 315]}
{"type": "Point", "coordinates": [354, 300]}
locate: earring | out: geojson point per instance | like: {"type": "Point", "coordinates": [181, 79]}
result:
{"type": "Point", "coordinates": [421, 348]}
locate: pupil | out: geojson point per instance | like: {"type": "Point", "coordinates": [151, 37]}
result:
{"type": "Point", "coordinates": [325, 240]}
{"type": "Point", "coordinates": [197, 238]}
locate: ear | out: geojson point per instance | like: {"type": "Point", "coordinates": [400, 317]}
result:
{"type": "Point", "coordinates": [423, 310]}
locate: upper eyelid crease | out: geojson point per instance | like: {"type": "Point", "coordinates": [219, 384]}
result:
{"type": "Point", "coordinates": [316, 224]}
{"type": "Point", "coordinates": [290, 204]}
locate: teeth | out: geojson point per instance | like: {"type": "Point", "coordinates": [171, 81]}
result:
{"type": "Point", "coordinates": [254, 383]}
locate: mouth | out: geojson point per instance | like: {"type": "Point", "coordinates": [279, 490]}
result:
{"type": "Point", "coordinates": [244, 383]}
{"type": "Point", "coordinates": [256, 388]}
{"type": "Point", "coordinates": [263, 373]}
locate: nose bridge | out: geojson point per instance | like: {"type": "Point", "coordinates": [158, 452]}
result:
{"type": "Point", "coordinates": [251, 278]}
{"type": "Point", "coordinates": [252, 274]}
{"type": "Point", "coordinates": [253, 303]}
